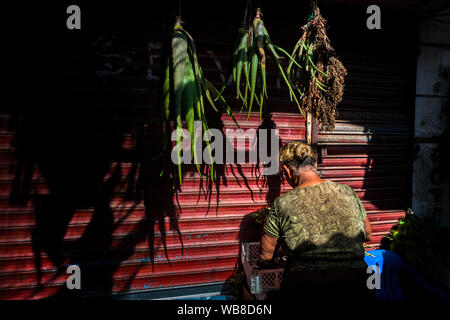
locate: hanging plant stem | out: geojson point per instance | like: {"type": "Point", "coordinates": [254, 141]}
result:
{"type": "Point", "coordinates": [183, 89]}
{"type": "Point", "coordinates": [249, 57]}
{"type": "Point", "coordinates": [319, 79]}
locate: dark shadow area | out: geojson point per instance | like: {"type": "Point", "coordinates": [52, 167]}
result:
{"type": "Point", "coordinates": [85, 135]}
{"type": "Point", "coordinates": [83, 172]}
{"type": "Point", "coordinates": [334, 283]}
{"type": "Point", "coordinates": [417, 250]}
{"type": "Point", "coordinates": [401, 280]}
{"type": "Point", "coordinates": [271, 182]}
{"type": "Point", "coordinates": [208, 186]}
{"type": "Point", "coordinates": [157, 194]}
{"type": "Point", "coordinates": [250, 229]}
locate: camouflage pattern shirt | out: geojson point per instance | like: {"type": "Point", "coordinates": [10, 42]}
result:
{"type": "Point", "coordinates": [322, 226]}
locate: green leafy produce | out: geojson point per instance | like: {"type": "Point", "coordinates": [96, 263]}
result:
{"type": "Point", "coordinates": [183, 89]}
{"type": "Point", "coordinates": [249, 64]}
{"type": "Point", "coordinates": [421, 242]}
{"type": "Point", "coordinates": [260, 215]}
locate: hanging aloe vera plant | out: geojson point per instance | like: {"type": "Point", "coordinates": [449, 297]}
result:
{"type": "Point", "coordinates": [249, 57]}
{"type": "Point", "coordinates": [320, 78]}
{"type": "Point", "coordinates": [183, 89]}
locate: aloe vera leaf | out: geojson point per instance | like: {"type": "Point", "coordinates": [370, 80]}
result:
{"type": "Point", "coordinates": [221, 100]}
{"type": "Point", "coordinates": [266, 33]}
{"type": "Point", "coordinates": [200, 79]}
{"type": "Point", "coordinates": [261, 104]}
{"type": "Point", "coordinates": [244, 101]}
{"type": "Point", "coordinates": [253, 75]}
{"type": "Point", "coordinates": [235, 57]}
{"type": "Point", "coordinates": [260, 42]}
{"type": "Point", "coordinates": [199, 88]}
{"type": "Point", "coordinates": [179, 50]}
{"type": "Point", "coordinates": [190, 97]}
{"type": "Point", "coordinates": [198, 74]}
{"type": "Point", "coordinates": [208, 94]}
{"type": "Point", "coordinates": [257, 100]}
{"type": "Point", "coordinates": [272, 49]}
{"type": "Point", "coordinates": [197, 70]}
{"type": "Point", "coordinates": [166, 102]}
{"type": "Point", "coordinates": [208, 146]}
{"type": "Point", "coordinates": [206, 86]}
{"type": "Point", "coordinates": [250, 37]}
{"type": "Point", "coordinates": [165, 108]}
{"type": "Point", "coordinates": [178, 146]}
{"type": "Point", "coordinates": [246, 68]}
{"type": "Point", "coordinates": [264, 83]}
{"type": "Point", "coordinates": [240, 62]}
{"type": "Point", "coordinates": [198, 106]}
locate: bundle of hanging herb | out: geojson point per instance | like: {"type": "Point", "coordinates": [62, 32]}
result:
{"type": "Point", "coordinates": [183, 89]}
{"type": "Point", "coordinates": [249, 57]}
{"type": "Point", "coordinates": [319, 79]}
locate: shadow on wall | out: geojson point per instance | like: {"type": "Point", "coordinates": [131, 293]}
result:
{"type": "Point", "coordinates": [271, 182]}
{"type": "Point", "coordinates": [250, 229]}
{"type": "Point", "coordinates": [89, 212]}
{"type": "Point", "coordinates": [101, 203]}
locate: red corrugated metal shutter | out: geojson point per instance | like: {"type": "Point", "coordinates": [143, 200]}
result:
{"type": "Point", "coordinates": [84, 189]}
{"type": "Point", "coordinates": [369, 147]}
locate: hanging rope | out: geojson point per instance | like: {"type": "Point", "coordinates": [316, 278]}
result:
{"type": "Point", "coordinates": [248, 8]}
{"type": "Point", "coordinates": [311, 17]}
{"type": "Point", "coordinates": [179, 13]}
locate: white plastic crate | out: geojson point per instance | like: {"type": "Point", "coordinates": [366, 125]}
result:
{"type": "Point", "coordinates": [259, 280]}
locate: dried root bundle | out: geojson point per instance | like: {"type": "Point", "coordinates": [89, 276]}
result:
{"type": "Point", "coordinates": [320, 78]}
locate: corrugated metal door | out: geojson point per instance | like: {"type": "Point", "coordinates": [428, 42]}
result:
{"type": "Point", "coordinates": [370, 146]}
{"type": "Point", "coordinates": [79, 182]}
